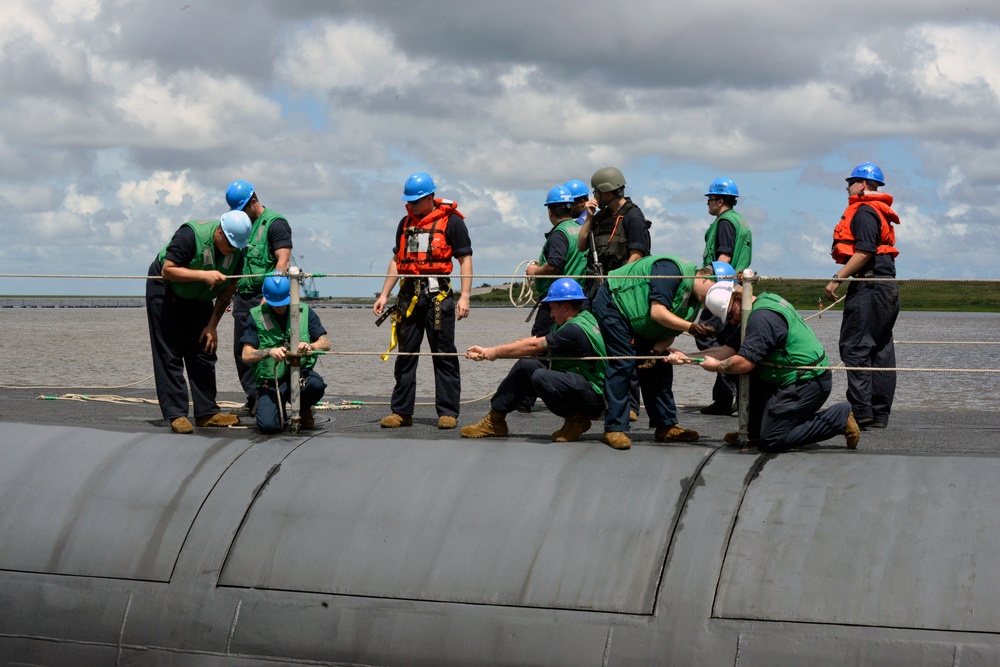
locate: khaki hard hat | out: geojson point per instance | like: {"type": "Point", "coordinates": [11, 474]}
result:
{"type": "Point", "coordinates": [607, 179]}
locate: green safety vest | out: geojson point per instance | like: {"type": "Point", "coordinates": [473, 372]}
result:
{"type": "Point", "coordinates": [742, 249]}
{"type": "Point", "coordinates": [576, 261]}
{"type": "Point", "coordinates": [802, 348]}
{"type": "Point", "coordinates": [259, 258]}
{"type": "Point", "coordinates": [270, 334]}
{"type": "Point", "coordinates": [631, 295]}
{"type": "Point", "coordinates": [593, 371]}
{"type": "Point", "coordinates": [204, 260]}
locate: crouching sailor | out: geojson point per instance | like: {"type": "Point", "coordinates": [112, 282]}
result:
{"type": "Point", "coordinates": [266, 348]}
{"type": "Point", "coordinates": [785, 399]}
{"type": "Point", "coordinates": [570, 387]}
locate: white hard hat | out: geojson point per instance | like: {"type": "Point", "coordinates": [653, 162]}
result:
{"type": "Point", "coordinates": [717, 299]}
{"type": "Point", "coordinates": [236, 226]}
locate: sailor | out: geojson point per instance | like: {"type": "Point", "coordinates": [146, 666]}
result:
{"type": "Point", "coordinates": [183, 324]}
{"type": "Point", "coordinates": [614, 233]}
{"type": "Point", "coordinates": [581, 195]}
{"type": "Point", "coordinates": [269, 249]}
{"type": "Point", "coordinates": [727, 239]}
{"type": "Point", "coordinates": [266, 345]}
{"type": "Point", "coordinates": [619, 228]}
{"type": "Point", "coordinates": [428, 238]}
{"type": "Point", "coordinates": [785, 400]}
{"type": "Point", "coordinates": [560, 254]}
{"type": "Point", "coordinates": [638, 317]}
{"type": "Point", "coordinates": [865, 243]}
{"type": "Point", "coordinates": [570, 387]}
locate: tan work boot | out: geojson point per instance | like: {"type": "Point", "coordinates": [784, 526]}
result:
{"type": "Point", "coordinates": [633, 416]}
{"type": "Point", "coordinates": [395, 421]}
{"type": "Point", "coordinates": [852, 432]}
{"type": "Point", "coordinates": [218, 419]}
{"type": "Point", "coordinates": [493, 425]}
{"type": "Point", "coordinates": [733, 438]}
{"type": "Point", "coordinates": [617, 440]}
{"type": "Point", "coordinates": [181, 425]}
{"type": "Point", "coordinates": [307, 421]}
{"type": "Point", "coordinates": [572, 429]}
{"type": "Point", "coordinates": [675, 433]}
{"type": "Point", "coordinates": [447, 421]}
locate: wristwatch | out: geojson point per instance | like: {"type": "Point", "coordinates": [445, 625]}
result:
{"type": "Point", "coordinates": [837, 278]}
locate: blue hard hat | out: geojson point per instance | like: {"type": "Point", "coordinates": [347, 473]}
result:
{"type": "Point", "coordinates": [277, 290]}
{"type": "Point", "coordinates": [868, 171]}
{"type": "Point", "coordinates": [724, 271]}
{"type": "Point", "coordinates": [559, 195]}
{"type": "Point", "coordinates": [577, 189]}
{"type": "Point", "coordinates": [417, 186]}
{"type": "Point", "coordinates": [236, 227]}
{"type": "Point", "coordinates": [723, 186]}
{"type": "Point", "coordinates": [238, 194]}
{"type": "Point", "coordinates": [565, 289]}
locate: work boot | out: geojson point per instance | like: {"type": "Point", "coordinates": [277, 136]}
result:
{"type": "Point", "coordinates": [617, 440]}
{"type": "Point", "coordinates": [493, 425]}
{"type": "Point", "coordinates": [307, 421]}
{"type": "Point", "coordinates": [675, 433]}
{"type": "Point", "coordinates": [218, 419]}
{"type": "Point", "coordinates": [633, 416]}
{"type": "Point", "coordinates": [181, 425]}
{"type": "Point", "coordinates": [447, 421]}
{"type": "Point", "coordinates": [733, 438]}
{"type": "Point", "coordinates": [245, 410]}
{"type": "Point", "coordinates": [572, 429]}
{"type": "Point", "coordinates": [717, 408]}
{"type": "Point", "coordinates": [395, 421]}
{"type": "Point", "coordinates": [852, 432]}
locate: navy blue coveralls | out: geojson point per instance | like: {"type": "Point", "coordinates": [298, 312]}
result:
{"type": "Point", "coordinates": [870, 312]}
{"type": "Point", "coordinates": [656, 383]}
{"type": "Point", "coordinates": [269, 415]}
{"type": "Point", "coordinates": [440, 334]}
{"type": "Point", "coordinates": [175, 325]}
{"type": "Point", "coordinates": [790, 416]}
{"type": "Point", "coordinates": [566, 394]}
{"type": "Point", "coordinates": [279, 235]}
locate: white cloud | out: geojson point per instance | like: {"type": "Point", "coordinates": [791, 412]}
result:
{"type": "Point", "coordinates": [329, 56]}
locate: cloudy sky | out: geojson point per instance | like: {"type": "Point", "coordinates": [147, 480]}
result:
{"type": "Point", "coordinates": [121, 119]}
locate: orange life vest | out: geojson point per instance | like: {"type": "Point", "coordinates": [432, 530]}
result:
{"type": "Point", "coordinates": [423, 247]}
{"type": "Point", "coordinates": [843, 237]}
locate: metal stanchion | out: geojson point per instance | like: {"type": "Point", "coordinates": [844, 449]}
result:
{"type": "Point", "coordinates": [295, 370]}
{"type": "Point", "coordinates": [743, 402]}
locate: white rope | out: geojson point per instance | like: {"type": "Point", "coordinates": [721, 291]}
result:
{"type": "Point", "coordinates": [819, 313]}
{"type": "Point", "coordinates": [526, 295]}
{"type": "Point", "coordinates": [755, 278]}
{"type": "Point", "coordinates": [46, 386]}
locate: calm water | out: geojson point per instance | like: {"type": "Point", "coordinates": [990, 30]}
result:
{"type": "Point", "coordinates": [73, 347]}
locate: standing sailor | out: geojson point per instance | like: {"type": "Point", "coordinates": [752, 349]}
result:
{"type": "Point", "coordinates": [428, 237]}
{"type": "Point", "coordinates": [864, 242]}
{"type": "Point", "coordinates": [727, 239]}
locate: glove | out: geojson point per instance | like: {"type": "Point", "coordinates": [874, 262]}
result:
{"type": "Point", "coordinates": [702, 331]}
